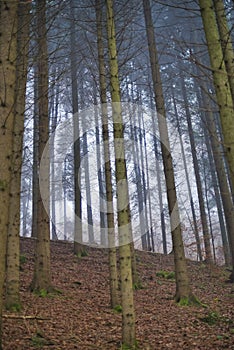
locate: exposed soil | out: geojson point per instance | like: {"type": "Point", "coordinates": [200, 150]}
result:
{"type": "Point", "coordinates": [80, 317]}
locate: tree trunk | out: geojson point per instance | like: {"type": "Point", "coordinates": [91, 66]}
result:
{"type": "Point", "coordinates": [196, 233]}
{"type": "Point", "coordinates": [35, 180]}
{"type": "Point", "coordinates": [42, 274]}
{"type": "Point", "coordinates": [226, 42]}
{"type": "Point", "coordinates": [206, 234]}
{"type": "Point", "coordinates": [8, 54]}
{"type": "Point", "coordinates": [78, 239]}
{"type": "Point", "coordinates": [222, 178]}
{"type": "Point", "coordinates": [221, 82]}
{"type": "Point", "coordinates": [13, 242]}
{"type": "Point", "coordinates": [107, 160]}
{"type": "Point", "coordinates": [124, 217]}
{"type": "Point", "coordinates": [183, 290]}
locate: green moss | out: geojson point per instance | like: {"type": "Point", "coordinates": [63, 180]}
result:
{"type": "Point", "coordinates": [138, 285]}
{"type": "Point", "coordinates": [127, 347]}
{"type": "Point", "coordinates": [169, 275]}
{"type": "Point", "coordinates": [14, 307]}
{"type": "Point", "coordinates": [3, 185]}
{"type": "Point", "coordinates": [190, 301]}
{"type": "Point", "coordinates": [118, 309]}
{"type": "Point", "coordinates": [211, 319]}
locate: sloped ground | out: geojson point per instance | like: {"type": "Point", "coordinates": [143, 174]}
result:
{"type": "Point", "coordinates": [80, 317]}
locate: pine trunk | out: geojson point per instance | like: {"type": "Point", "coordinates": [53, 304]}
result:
{"type": "Point", "coordinates": [183, 290]}
{"type": "Point", "coordinates": [13, 247]}
{"type": "Point", "coordinates": [226, 42]}
{"type": "Point", "coordinates": [124, 218]}
{"type": "Point", "coordinates": [42, 275]}
{"type": "Point", "coordinates": [108, 177]}
{"type": "Point", "coordinates": [8, 54]}
{"type": "Point", "coordinates": [221, 82]}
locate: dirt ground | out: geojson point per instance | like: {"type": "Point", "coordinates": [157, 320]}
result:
{"type": "Point", "coordinates": [79, 317]}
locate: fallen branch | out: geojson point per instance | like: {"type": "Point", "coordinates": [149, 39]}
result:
{"type": "Point", "coordinates": [24, 317]}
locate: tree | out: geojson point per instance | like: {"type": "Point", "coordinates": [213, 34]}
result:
{"type": "Point", "coordinates": [42, 274]}
{"type": "Point", "coordinates": [13, 249]}
{"type": "Point", "coordinates": [8, 54]}
{"type": "Point", "coordinates": [205, 228]}
{"type": "Point", "coordinates": [196, 233]}
{"type": "Point", "coordinates": [107, 160]}
{"type": "Point", "coordinates": [226, 42]}
{"type": "Point", "coordinates": [183, 290]}
{"type": "Point", "coordinates": [220, 78]}
{"type": "Point", "coordinates": [124, 218]}
{"type": "Point", "coordinates": [78, 203]}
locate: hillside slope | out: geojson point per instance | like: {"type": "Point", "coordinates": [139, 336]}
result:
{"type": "Point", "coordinates": [80, 317]}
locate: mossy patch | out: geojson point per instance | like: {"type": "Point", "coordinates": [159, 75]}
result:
{"type": "Point", "coordinates": [118, 309]}
{"type": "Point", "coordinates": [169, 275]}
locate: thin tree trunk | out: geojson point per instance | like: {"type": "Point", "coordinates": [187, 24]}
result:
{"type": "Point", "coordinates": [54, 116]}
{"type": "Point", "coordinates": [35, 180]}
{"type": "Point", "coordinates": [196, 232]}
{"type": "Point", "coordinates": [78, 239]}
{"type": "Point", "coordinates": [107, 161]}
{"type": "Point", "coordinates": [42, 274]}
{"type": "Point", "coordinates": [13, 242]}
{"type": "Point", "coordinates": [222, 178]}
{"type": "Point", "coordinates": [101, 182]}
{"type": "Point", "coordinates": [183, 290]}
{"type": "Point", "coordinates": [144, 180]}
{"type": "Point", "coordinates": [87, 180]}
{"type": "Point", "coordinates": [217, 197]}
{"type": "Point", "coordinates": [124, 217]}
{"type": "Point", "coordinates": [206, 234]}
{"type": "Point", "coordinates": [8, 54]}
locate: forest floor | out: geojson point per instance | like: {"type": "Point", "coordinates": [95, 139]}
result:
{"type": "Point", "coordinates": [80, 316]}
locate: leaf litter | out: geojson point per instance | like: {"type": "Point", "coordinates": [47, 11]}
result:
{"type": "Point", "coordinates": [79, 317]}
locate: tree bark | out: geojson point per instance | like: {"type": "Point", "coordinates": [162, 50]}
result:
{"type": "Point", "coordinates": [107, 160]}
{"type": "Point", "coordinates": [221, 82]}
{"type": "Point", "coordinates": [13, 241]}
{"type": "Point", "coordinates": [226, 42]}
{"type": "Point", "coordinates": [78, 239]}
{"type": "Point", "coordinates": [206, 233]}
{"type": "Point", "coordinates": [42, 274]}
{"type": "Point", "coordinates": [8, 55]}
{"type": "Point", "coordinates": [196, 233]}
{"type": "Point", "coordinates": [124, 217]}
{"type": "Point", "coordinates": [183, 290]}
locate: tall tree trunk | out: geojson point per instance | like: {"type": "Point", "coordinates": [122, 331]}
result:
{"type": "Point", "coordinates": [222, 178]}
{"type": "Point", "coordinates": [8, 54]}
{"type": "Point", "coordinates": [13, 242]}
{"type": "Point", "coordinates": [124, 217]}
{"type": "Point", "coordinates": [42, 274]}
{"type": "Point", "coordinates": [78, 239]}
{"type": "Point", "coordinates": [183, 290]}
{"type": "Point", "coordinates": [35, 180]}
{"type": "Point", "coordinates": [141, 135]}
{"type": "Point", "coordinates": [206, 234]}
{"type": "Point", "coordinates": [101, 180]}
{"type": "Point", "coordinates": [148, 186]}
{"type": "Point", "coordinates": [107, 160]}
{"type": "Point", "coordinates": [160, 196]}
{"type": "Point", "coordinates": [221, 82]}
{"type": "Point", "coordinates": [226, 42]}
{"type": "Point", "coordinates": [54, 121]}
{"type": "Point", "coordinates": [196, 232]}
{"type": "Point", "coordinates": [217, 197]}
